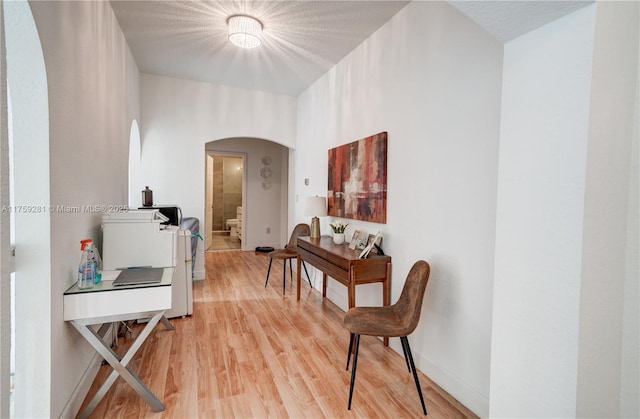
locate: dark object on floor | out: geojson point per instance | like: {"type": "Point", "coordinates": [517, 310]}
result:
{"type": "Point", "coordinates": [289, 252]}
{"type": "Point", "coordinates": [264, 249]}
{"type": "Point", "coordinates": [397, 320]}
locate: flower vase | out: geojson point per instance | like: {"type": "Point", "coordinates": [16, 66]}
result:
{"type": "Point", "coordinates": [338, 238]}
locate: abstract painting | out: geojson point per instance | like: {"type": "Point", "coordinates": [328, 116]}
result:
{"type": "Point", "coordinates": [358, 180]}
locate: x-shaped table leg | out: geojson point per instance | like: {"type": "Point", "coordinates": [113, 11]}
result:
{"type": "Point", "coordinates": [120, 366]}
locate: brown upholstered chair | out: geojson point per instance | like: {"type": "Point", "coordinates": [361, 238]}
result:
{"type": "Point", "coordinates": [289, 252]}
{"type": "Point", "coordinates": [397, 320]}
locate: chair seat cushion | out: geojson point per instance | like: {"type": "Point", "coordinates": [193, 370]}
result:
{"type": "Point", "coordinates": [283, 254]}
{"type": "Point", "coordinates": [376, 321]}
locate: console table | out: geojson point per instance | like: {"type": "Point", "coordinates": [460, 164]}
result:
{"type": "Point", "coordinates": [344, 265]}
{"type": "Point", "coordinates": [105, 304]}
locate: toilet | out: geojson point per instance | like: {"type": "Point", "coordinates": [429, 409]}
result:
{"type": "Point", "coordinates": [235, 224]}
{"type": "Point", "coordinates": [232, 224]}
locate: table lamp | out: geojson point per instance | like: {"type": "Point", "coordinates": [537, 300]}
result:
{"type": "Point", "coordinates": [316, 207]}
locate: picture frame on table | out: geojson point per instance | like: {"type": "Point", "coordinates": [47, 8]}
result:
{"type": "Point", "coordinates": [370, 244]}
{"type": "Point", "coordinates": [377, 239]}
{"type": "Point", "coordinates": [355, 239]}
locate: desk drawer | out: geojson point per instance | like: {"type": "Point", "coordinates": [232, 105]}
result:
{"type": "Point", "coordinates": [310, 249]}
{"type": "Point", "coordinates": [117, 302]}
{"type": "Point", "coordinates": [329, 258]}
{"type": "Point", "coordinates": [333, 271]}
{"type": "Point", "coordinates": [338, 261]}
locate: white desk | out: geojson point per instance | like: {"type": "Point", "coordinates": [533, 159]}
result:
{"type": "Point", "coordinates": [104, 304]}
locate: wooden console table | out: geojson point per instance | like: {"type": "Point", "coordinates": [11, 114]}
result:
{"type": "Point", "coordinates": [343, 264]}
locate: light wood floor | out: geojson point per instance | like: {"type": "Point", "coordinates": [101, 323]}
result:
{"type": "Point", "coordinates": [222, 241]}
{"type": "Point", "coordinates": [251, 352]}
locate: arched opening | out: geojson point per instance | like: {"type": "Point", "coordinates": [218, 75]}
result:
{"type": "Point", "coordinates": [264, 209]}
{"type": "Point", "coordinates": [26, 77]}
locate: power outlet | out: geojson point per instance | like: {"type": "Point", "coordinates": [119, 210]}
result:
{"type": "Point", "coordinates": [268, 230]}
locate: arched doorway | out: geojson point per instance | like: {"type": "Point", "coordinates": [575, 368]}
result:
{"type": "Point", "coordinates": [265, 195]}
{"type": "Point", "coordinates": [27, 80]}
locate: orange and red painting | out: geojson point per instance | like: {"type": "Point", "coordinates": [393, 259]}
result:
{"type": "Point", "coordinates": [358, 180]}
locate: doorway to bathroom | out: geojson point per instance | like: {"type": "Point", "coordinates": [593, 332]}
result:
{"type": "Point", "coordinates": [224, 190]}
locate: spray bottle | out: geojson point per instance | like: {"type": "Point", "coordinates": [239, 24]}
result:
{"type": "Point", "coordinates": [87, 266]}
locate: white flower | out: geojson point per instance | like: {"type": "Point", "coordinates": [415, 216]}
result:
{"type": "Point", "coordinates": [338, 226]}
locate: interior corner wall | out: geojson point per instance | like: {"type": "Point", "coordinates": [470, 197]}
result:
{"type": "Point", "coordinates": [630, 365]}
{"type": "Point", "coordinates": [93, 89]}
{"type": "Point", "coordinates": [539, 230]}
{"type": "Point", "coordinates": [605, 279]}
{"type": "Point", "coordinates": [431, 78]}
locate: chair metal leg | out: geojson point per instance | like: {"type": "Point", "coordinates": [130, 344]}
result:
{"type": "Point", "coordinates": [406, 358]}
{"type": "Point", "coordinates": [405, 343]}
{"type": "Point", "coordinates": [291, 271]}
{"type": "Point", "coordinates": [268, 272]}
{"type": "Point", "coordinates": [353, 370]}
{"type": "Point", "coordinates": [284, 275]}
{"type": "Point", "coordinates": [307, 272]}
{"type": "Point", "coordinates": [350, 349]}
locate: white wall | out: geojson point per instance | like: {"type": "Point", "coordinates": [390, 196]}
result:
{"type": "Point", "coordinates": [180, 116]}
{"type": "Point", "coordinates": [543, 141]}
{"type": "Point", "coordinates": [564, 215]}
{"type": "Point", "coordinates": [6, 322]}
{"type": "Point", "coordinates": [630, 376]}
{"type": "Point", "coordinates": [92, 89]}
{"type": "Point", "coordinates": [263, 207]}
{"type": "Point", "coordinates": [431, 79]}
{"type": "Point", "coordinates": [610, 220]}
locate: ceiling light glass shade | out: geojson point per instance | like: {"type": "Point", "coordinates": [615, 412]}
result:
{"type": "Point", "coordinates": [244, 31]}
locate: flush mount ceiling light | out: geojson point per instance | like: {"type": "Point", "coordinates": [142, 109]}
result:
{"type": "Point", "coordinates": [244, 31]}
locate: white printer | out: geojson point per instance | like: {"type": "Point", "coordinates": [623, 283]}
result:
{"type": "Point", "coordinates": [138, 238]}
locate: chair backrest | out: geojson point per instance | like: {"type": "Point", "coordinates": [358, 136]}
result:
{"type": "Point", "coordinates": [299, 231]}
{"type": "Point", "coordinates": [409, 305]}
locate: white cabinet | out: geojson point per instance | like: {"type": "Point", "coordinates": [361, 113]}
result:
{"type": "Point", "coordinates": [239, 217]}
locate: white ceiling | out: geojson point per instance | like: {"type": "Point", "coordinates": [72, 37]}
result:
{"type": "Point", "coordinates": [507, 20]}
{"type": "Point", "coordinates": [302, 40]}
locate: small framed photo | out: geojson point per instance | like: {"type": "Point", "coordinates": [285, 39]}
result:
{"type": "Point", "coordinates": [357, 237]}
{"type": "Point", "coordinates": [378, 242]}
{"type": "Point", "coordinates": [371, 240]}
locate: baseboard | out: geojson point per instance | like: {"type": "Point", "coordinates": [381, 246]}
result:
{"type": "Point", "coordinates": [337, 297]}
{"type": "Point", "coordinates": [199, 275]}
{"type": "Point", "coordinates": [469, 397]}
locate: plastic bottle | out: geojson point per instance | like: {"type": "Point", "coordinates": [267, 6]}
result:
{"type": "Point", "coordinates": [98, 261]}
{"type": "Point", "coordinates": [87, 266]}
{"type": "Point", "coordinates": [94, 258]}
